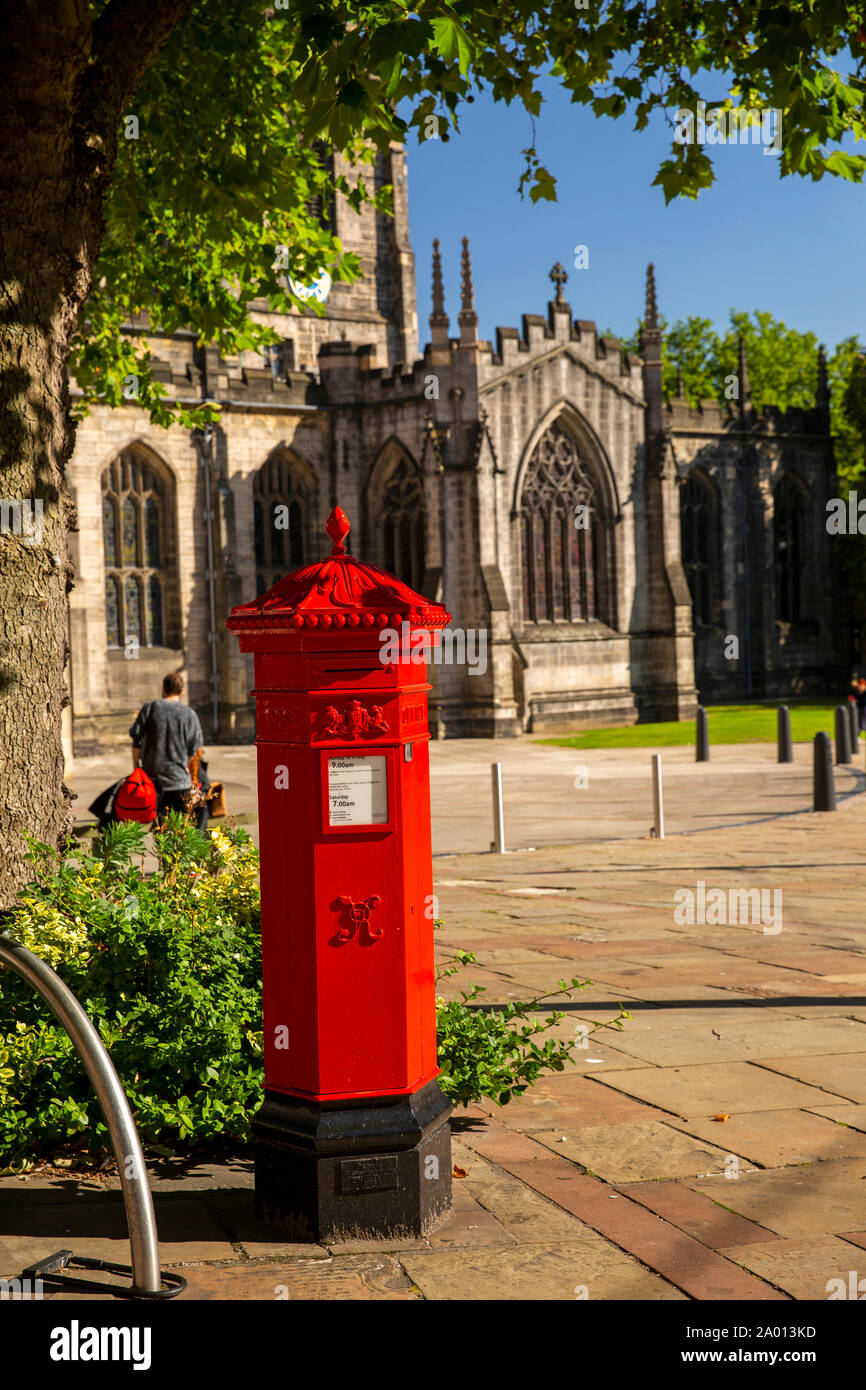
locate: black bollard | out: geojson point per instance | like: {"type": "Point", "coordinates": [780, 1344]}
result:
{"type": "Point", "coordinates": [853, 726]}
{"type": "Point", "coordinates": [702, 737]}
{"type": "Point", "coordinates": [843, 747]}
{"type": "Point", "coordinates": [786, 749]}
{"type": "Point", "coordinates": [823, 787]}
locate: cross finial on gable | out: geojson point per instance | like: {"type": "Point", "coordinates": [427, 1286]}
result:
{"type": "Point", "coordinates": [559, 276]}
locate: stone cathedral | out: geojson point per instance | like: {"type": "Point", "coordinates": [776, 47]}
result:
{"type": "Point", "coordinates": [609, 543]}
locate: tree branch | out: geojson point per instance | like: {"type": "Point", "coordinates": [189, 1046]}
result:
{"type": "Point", "coordinates": [126, 38]}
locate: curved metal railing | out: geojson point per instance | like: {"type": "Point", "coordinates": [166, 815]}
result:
{"type": "Point", "coordinates": [147, 1282]}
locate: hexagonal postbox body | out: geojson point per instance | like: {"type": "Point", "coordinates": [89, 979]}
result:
{"type": "Point", "coordinates": [347, 897]}
{"type": "Point", "coordinates": [346, 868]}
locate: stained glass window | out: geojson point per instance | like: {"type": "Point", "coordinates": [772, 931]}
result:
{"type": "Point", "coordinates": [788, 550]}
{"type": "Point", "coordinates": [558, 567]}
{"type": "Point", "coordinates": [563, 534]}
{"type": "Point", "coordinates": [112, 612]}
{"type": "Point", "coordinates": [154, 612]}
{"type": "Point", "coordinates": [699, 545]}
{"type": "Point", "coordinates": [278, 534]}
{"type": "Point", "coordinates": [109, 530]}
{"type": "Point", "coordinates": [133, 609]}
{"type": "Point", "coordinates": [542, 565]}
{"type": "Point", "coordinates": [402, 524]}
{"type": "Point", "coordinates": [151, 532]}
{"type": "Point", "coordinates": [281, 484]}
{"type": "Point", "coordinates": [138, 546]}
{"type": "Point", "coordinates": [129, 528]}
{"type": "Point", "coordinates": [577, 576]}
{"type": "Point", "coordinates": [527, 556]}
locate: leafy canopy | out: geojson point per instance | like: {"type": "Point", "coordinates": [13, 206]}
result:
{"type": "Point", "coordinates": [232, 114]}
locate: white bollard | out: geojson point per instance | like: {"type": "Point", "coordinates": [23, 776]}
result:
{"type": "Point", "coordinates": [498, 843]}
{"type": "Point", "coordinates": [658, 797]}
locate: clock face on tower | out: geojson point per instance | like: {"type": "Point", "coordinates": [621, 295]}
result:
{"type": "Point", "coordinates": [319, 289]}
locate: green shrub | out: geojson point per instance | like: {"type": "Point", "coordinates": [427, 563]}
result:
{"type": "Point", "coordinates": [168, 967]}
{"type": "Point", "coordinates": [482, 1054]}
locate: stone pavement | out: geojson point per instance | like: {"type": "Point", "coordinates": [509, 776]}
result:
{"type": "Point", "coordinates": [713, 1149]}
{"type": "Point", "coordinates": [543, 806]}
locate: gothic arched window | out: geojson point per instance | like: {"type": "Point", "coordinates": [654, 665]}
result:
{"type": "Point", "coordinates": [699, 545]}
{"type": "Point", "coordinates": [401, 523]}
{"type": "Point", "coordinates": [283, 503]}
{"type": "Point", "coordinates": [563, 536]}
{"type": "Point", "coordinates": [788, 550]}
{"type": "Point", "coordinates": [138, 540]}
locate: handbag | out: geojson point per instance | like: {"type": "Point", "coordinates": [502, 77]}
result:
{"type": "Point", "coordinates": [216, 801]}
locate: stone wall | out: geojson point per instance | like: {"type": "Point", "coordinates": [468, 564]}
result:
{"type": "Point", "coordinates": [745, 455]}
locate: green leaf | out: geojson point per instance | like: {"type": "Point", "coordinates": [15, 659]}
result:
{"type": "Point", "coordinates": [451, 41]}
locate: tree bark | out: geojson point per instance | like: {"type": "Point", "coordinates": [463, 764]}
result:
{"type": "Point", "coordinates": [64, 86]}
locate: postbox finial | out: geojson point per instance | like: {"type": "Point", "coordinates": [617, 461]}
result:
{"type": "Point", "coordinates": [338, 527]}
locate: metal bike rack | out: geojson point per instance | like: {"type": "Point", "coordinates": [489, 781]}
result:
{"type": "Point", "coordinates": [147, 1280]}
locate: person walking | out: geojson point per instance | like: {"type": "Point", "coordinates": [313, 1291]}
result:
{"type": "Point", "coordinates": [166, 737]}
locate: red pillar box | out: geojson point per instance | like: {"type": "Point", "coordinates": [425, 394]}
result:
{"type": "Point", "coordinates": [353, 1137]}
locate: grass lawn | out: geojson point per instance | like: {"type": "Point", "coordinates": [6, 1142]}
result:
{"type": "Point", "coordinates": [727, 724]}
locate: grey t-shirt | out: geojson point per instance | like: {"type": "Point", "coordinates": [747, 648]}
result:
{"type": "Point", "coordinates": [168, 734]}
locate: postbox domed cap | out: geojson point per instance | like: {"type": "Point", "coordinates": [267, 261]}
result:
{"type": "Point", "coordinates": [339, 591]}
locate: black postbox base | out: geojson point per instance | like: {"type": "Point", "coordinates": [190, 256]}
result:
{"type": "Point", "coordinates": [376, 1168]}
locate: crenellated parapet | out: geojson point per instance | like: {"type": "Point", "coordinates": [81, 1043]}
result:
{"type": "Point", "coordinates": [541, 335]}
{"type": "Point", "coordinates": [715, 417]}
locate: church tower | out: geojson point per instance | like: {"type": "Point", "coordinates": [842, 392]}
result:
{"type": "Point", "coordinates": [379, 309]}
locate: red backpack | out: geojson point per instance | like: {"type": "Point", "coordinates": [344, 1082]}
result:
{"type": "Point", "coordinates": [136, 798]}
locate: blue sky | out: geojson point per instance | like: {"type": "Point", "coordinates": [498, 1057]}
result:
{"type": "Point", "coordinates": [752, 241]}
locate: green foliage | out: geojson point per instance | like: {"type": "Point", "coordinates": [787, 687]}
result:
{"type": "Point", "coordinates": [167, 966]}
{"type": "Point", "coordinates": [783, 372]}
{"type": "Point", "coordinates": [234, 109]}
{"type": "Point", "coordinates": [492, 1052]}
{"type": "Point", "coordinates": [847, 376]}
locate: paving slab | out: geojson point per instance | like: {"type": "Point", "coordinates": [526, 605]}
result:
{"type": "Point", "coordinates": [697, 1215]}
{"type": "Point", "coordinates": [360, 1278]}
{"type": "Point", "coordinates": [561, 1271]}
{"type": "Point", "coordinates": [804, 1267]}
{"type": "Point", "coordinates": [716, 1037]}
{"type": "Point", "coordinates": [573, 1102]}
{"type": "Point", "coordinates": [631, 1152]}
{"type": "Point", "coordinates": [844, 1112]}
{"type": "Point", "coordinates": [711, 1089]}
{"type": "Point", "coordinates": [524, 1213]}
{"type": "Point", "coordinates": [780, 1138]}
{"type": "Point", "coordinates": [843, 1075]}
{"type": "Point", "coordinates": [820, 1199]}
{"type": "Point", "coordinates": [188, 1232]}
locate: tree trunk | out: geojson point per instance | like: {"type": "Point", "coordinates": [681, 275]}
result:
{"type": "Point", "coordinates": [64, 85]}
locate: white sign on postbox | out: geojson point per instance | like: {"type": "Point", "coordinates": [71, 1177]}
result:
{"type": "Point", "coordinates": [358, 791]}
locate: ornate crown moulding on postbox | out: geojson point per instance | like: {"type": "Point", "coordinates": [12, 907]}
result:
{"type": "Point", "coordinates": [338, 592]}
